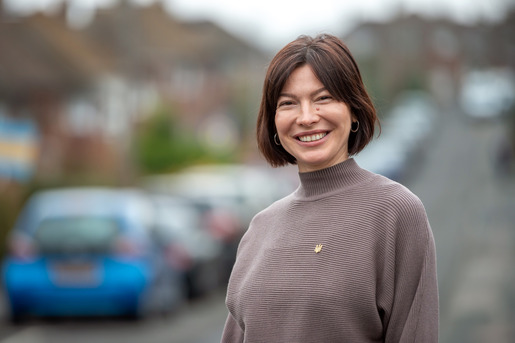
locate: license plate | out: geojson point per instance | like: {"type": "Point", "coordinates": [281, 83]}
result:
{"type": "Point", "coordinates": [75, 274]}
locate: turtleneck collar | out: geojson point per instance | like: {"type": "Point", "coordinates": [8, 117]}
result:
{"type": "Point", "coordinates": [321, 182]}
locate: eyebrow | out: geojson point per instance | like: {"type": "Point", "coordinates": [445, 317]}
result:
{"type": "Point", "coordinates": [320, 90]}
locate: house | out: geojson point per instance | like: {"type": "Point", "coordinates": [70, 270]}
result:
{"type": "Point", "coordinates": [410, 51]}
{"type": "Point", "coordinates": [44, 67]}
{"type": "Point", "coordinates": [85, 88]}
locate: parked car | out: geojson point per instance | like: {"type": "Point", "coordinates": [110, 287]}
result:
{"type": "Point", "coordinates": [412, 119]}
{"type": "Point", "coordinates": [408, 127]}
{"type": "Point", "coordinates": [187, 245]}
{"type": "Point", "coordinates": [241, 189]}
{"type": "Point", "coordinates": [87, 252]}
{"type": "Point", "coordinates": [487, 94]}
{"type": "Point", "coordinates": [227, 196]}
{"type": "Point", "coordinates": [385, 156]}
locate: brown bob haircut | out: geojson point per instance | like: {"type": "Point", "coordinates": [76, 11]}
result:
{"type": "Point", "coordinates": [336, 69]}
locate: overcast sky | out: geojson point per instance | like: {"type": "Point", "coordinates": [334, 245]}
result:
{"type": "Point", "coordinates": [273, 23]}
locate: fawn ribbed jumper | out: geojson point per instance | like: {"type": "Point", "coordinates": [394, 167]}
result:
{"type": "Point", "coordinates": [348, 257]}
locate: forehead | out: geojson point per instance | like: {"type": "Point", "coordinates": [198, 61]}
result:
{"type": "Point", "coordinates": [301, 79]}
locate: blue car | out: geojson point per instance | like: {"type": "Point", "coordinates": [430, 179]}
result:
{"type": "Point", "coordinates": [87, 252]}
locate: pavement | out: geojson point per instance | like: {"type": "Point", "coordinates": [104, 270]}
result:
{"type": "Point", "coordinates": [471, 208]}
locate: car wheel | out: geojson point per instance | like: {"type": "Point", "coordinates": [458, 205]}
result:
{"type": "Point", "coordinates": [16, 318]}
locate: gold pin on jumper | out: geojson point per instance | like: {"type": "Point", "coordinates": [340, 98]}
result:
{"type": "Point", "coordinates": [318, 248]}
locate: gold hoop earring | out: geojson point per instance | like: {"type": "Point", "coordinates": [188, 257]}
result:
{"type": "Point", "coordinates": [275, 140]}
{"type": "Point", "coordinates": [357, 127]}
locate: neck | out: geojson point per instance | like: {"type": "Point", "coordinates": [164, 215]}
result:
{"type": "Point", "coordinates": [324, 181]}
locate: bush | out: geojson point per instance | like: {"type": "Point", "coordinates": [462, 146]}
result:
{"type": "Point", "coordinates": [162, 144]}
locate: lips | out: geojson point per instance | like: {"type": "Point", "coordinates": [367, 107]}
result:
{"type": "Point", "coordinates": [312, 137]}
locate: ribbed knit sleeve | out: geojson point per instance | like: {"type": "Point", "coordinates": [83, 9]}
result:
{"type": "Point", "coordinates": [232, 332]}
{"type": "Point", "coordinates": [411, 311]}
{"type": "Point", "coordinates": [348, 257]}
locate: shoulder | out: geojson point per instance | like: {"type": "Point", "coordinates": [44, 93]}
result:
{"type": "Point", "coordinates": [267, 219]}
{"type": "Point", "coordinates": [396, 207]}
{"type": "Point", "coordinates": [271, 213]}
{"type": "Point", "coordinates": [392, 195]}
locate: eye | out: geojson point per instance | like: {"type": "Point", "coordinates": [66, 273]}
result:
{"type": "Point", "coordinates": [324, 98]}
{"type": "Point", "coordinates": [285, 103]}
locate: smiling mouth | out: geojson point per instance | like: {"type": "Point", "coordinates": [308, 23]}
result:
{"type": "Point", "coordinates": [312, 138]}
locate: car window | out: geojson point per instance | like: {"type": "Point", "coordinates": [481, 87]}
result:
{"type": "Point", "coordinates": [76, 234]}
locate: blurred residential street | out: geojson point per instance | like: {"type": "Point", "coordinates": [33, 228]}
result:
{"type": "Point", "coordinates": [136, 97]}
{"type": "Point", "coordinates": [471, 210]}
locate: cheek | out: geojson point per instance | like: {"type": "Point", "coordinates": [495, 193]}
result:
{"type": "Point", "coordinates": [280, 123]}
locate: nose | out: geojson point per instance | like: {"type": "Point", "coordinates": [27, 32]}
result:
{"type": "Point", "coordinates": [307, 115]}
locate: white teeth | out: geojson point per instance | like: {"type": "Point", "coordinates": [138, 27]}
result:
{"type": "Point", "coordinates": [311, 138]}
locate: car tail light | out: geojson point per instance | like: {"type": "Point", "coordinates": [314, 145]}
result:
{"type": "Point", "coordinates": [177, 256]}
{"type": "Point", "coordinates": [222, 225]}
{"type": "Point", "coordinates": [22, 248]}
{"type": "Point", "coordinates": [126, 247]}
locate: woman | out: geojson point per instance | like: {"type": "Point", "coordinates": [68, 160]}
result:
{"type": "Point", "coordinates": [349, 256]}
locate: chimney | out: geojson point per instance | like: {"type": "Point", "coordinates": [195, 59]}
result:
{"type": "Point", "coordinates": [5, 16]}
{"type": "Point", "coordinates": [61, 11]}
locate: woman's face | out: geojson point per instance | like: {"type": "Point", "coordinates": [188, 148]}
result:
{"type": "Point", "coordinates": [311, 125]}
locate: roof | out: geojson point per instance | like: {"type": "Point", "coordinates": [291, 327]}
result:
{"type": "Point", "coordinates": [42, 52]}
